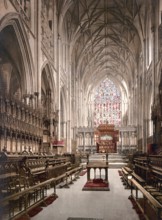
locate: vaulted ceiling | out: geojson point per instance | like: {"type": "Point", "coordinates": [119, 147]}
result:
{"type": "Point", "coordinates": [104, 38]}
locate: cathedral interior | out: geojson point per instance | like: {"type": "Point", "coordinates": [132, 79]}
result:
{"type": "Point", "coordinates": [80, 102]}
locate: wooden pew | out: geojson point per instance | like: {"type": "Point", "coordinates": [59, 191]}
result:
{"type": "Point", "coordinates": [149, 206]}
{"type": "Point", "coordinates": [126, 173]}
{"type": "Point", "coordinates": [9, 174]}
{"type": "Point", "coordinates": [75, 159]}
{"type": "Point", "coordinates": [155, 164]}
{"type": "Point", "coordinates": [35, 168]}
{"type": "Point", "coordinates": [153, 181]}
{"type": "Point", "coordinates": [31, 190]}
{"type": "Point", "coordinates": [57, 170]}
{"type": "Point", "coordinates": [138, 179]}
{"type": "Point", "coordinates": [141, 167]}
{"type": "Point", "coordinates": [22, 197]}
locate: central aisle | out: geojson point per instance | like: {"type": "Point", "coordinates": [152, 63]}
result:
{"type": "Point", "coordinates": [105, 205]}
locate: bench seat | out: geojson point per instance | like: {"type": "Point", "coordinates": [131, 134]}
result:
{"type": "Point", "coordinates": [126, 171]}
{"type": "Point", "coordinates": [138, 178]}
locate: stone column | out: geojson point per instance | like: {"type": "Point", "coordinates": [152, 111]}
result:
{"type": "Point", "coordinates": [91, 141]}
{"type": "Point", "coordinates": [55, 34]}
{"type": "Point", "coordinates": [58, 83]}
{"type": "Point", "coordinates": [83, 141]}
{"type": "Point", "coordinates": [144, 94]}
{"type": "Point", "coordinates": [16, 140]}
{"type": "Point", "coordinates": [1, 146]}
{"type": "Point", "coordinates": [129, 134]}
{"type": "Point", "coordinates": [64, 128]}
{"type": "Point", "coordinates": [66, 135]}
{"type": "Point", "coordinates": [69, 105]}
{"type": "Point", "coordinates": [121, 138]}
{"type": "Point", "coordinates": [38, 53]}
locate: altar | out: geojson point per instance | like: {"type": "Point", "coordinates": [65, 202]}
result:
{"type": "Point", "coordinates": [106, 137]}
{"type": "Point", "coordinates": [97, 182]}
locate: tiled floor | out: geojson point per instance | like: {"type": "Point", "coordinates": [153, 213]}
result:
{"type": "Point", "coordinates": [75, 203]}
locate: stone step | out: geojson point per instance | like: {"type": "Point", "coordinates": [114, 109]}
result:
{"type": "Point", "coordinates": [115, 160]}
{"type": "Point", "coordinates": [117, 165]}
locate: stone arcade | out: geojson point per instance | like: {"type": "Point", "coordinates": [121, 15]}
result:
{"type": "Point", "coordinates": [68, 67]}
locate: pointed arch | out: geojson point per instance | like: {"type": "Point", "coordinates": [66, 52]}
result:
{"type": "Point", "coordinates": [48, 76]}
{"type": "Point", "coordinates": [17, 50]}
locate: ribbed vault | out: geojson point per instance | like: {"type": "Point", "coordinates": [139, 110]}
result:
{"type": "Point", "coordinates": [103, 39]}
{"type": "Point", "coordinates": [102, 33]}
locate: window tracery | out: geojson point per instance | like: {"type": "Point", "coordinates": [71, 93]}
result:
{"type": "Point", "coordinates": [107, 104]}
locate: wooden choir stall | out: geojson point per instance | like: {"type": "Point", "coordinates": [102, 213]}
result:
{"type": "Point", "coordinates": [144, 178]}
{"type": "Point", "coordinates": [26, 181]}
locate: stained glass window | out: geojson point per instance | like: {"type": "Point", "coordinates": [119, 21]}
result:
{"type": "Point", "coordinates": [107, 104]}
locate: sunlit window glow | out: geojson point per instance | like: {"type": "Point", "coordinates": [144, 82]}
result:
{"type": "Point", "coordinates": [107, 104]}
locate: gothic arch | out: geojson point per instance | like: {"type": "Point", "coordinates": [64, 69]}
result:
{"type": "Point", "coordinates": [16, 56]}
{"type": "Point", "coordinates": [47, 85]}
{"type": "Point", "coordinates": [47, 103]}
